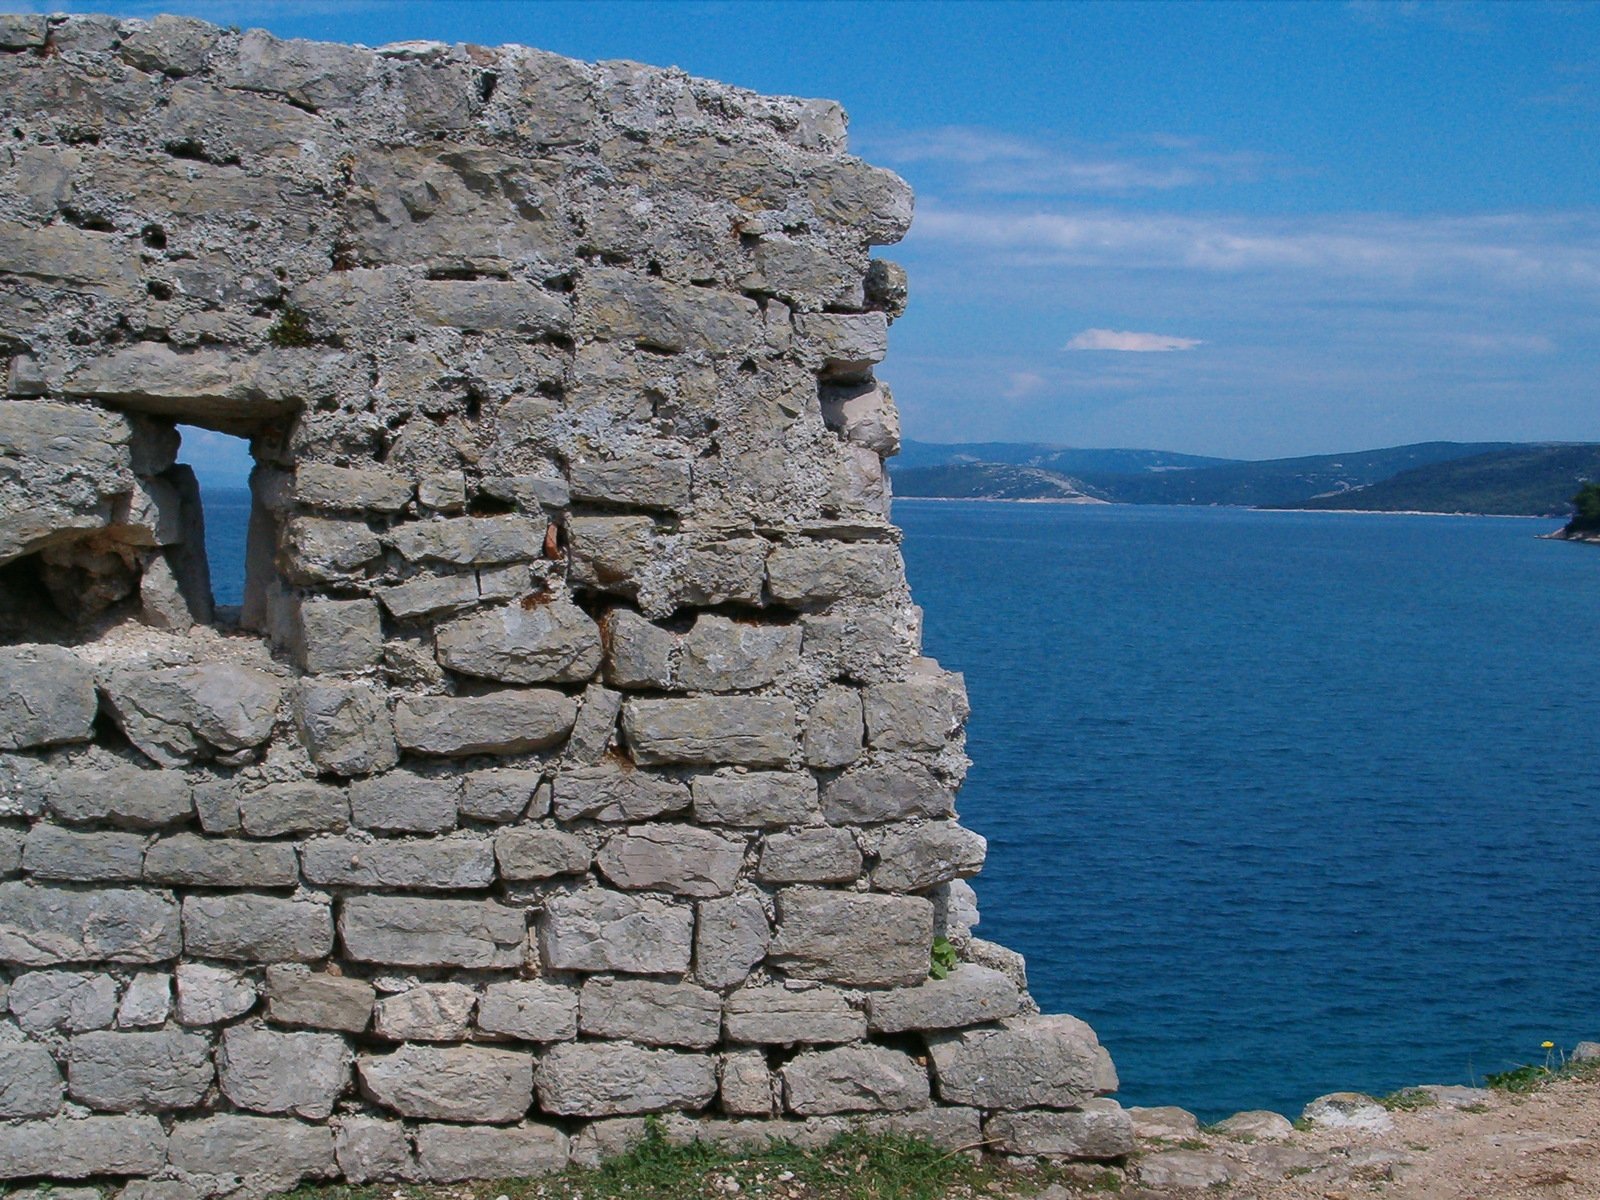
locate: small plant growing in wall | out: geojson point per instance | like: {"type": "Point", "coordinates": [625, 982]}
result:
{"type": "Point", "coordinates": [942, 959]}
{"type": "Point", "coordinates": [293, 328]}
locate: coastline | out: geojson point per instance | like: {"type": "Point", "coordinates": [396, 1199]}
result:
{"type": "Point", "coordinates": [1368, 512]}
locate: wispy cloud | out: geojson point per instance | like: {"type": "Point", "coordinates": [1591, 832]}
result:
{"type": "Point", "coordinates": [1129, 342]}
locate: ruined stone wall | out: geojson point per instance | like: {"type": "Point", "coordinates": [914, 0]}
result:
{"type": "Point", "coordinates": [571, 757]}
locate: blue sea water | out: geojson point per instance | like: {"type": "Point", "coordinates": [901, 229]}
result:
{"type": "Point", "coordinates": [1280, 803]}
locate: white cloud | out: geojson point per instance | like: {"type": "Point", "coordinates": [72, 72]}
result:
{"type": "Point", "coordinates": [1022, 383]}
{"type": "Point", "coordinates": [1129, 342]}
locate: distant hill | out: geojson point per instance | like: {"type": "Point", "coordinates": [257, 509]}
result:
{"type": "Point", "coordinates": [989, 481]}
{"type": "Point", "coordinates": [1066, 460]}
{"type": "Point", "coordinates": [1536, 480]}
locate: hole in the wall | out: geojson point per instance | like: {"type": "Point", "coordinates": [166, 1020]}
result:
{"type": "Point", "coordinates": [221, 464]}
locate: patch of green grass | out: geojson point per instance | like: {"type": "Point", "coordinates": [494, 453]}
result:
{"type": "Point", "coordinates": [1407, 1100]}
{"type": "Point", "coordinates": [1519, 1081]}
{"type": "Point", "coordinates": [1301, 1125]}
{"type": "Point", "coordinates": [292, 328]}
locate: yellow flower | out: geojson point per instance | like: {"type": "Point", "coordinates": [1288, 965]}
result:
{"type": "Point", "coordinates": [1547, 1045]}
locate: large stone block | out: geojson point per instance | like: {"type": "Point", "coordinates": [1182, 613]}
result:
{"type": "Point", "coordinates": [492, 305]}
{"type": "Point", "coordinates": [891, 791]}
{"type": "Point", "coordinates": [731, 937]}
{"type": "Point", "coordinates": [281, 808]}
{"type": "Point", "coordinates": [455, 1083]}
{"type": "Point", "coordinates": [616, 305]}
{"type": "Point", "coordinates": [371, 1150]}
{"type": "Point", "coordinates": [210, 995]}
{"type": "Point", "coordinates": [652, 1013]}
{"type": "Point", "coordinates": [428, 1012]}
{"type": "Point", "coordinates": [597, 930]}
{"type": "Point", "coordinates": [722, 655]}
{"type": "Point", "coordinates": [736, 730]}
{"type": "Point", "coordinates": [338, 635]}
{"type": "Point", "coordinates": [638, 653]}
{"type": "Point", "coordinates": [430, 596]}
{"type": "Point", "coordinates": [1023, 1062]}
{"type": "Point", "coordinates": [611, 554]}
{"type": "Point", "coordinates": [853, 938]}
{"type": "Point", "coordinates": [529, 853]}
{"type": "Point", "coordinates": [616, 790]}
{"type": "Point", "coordinates": [404, 931]}
{"type": "Point", "coordinates": [49, 697]}
{"type": "Point", "coordinates": [271, 1072]}
{"type": "Point", "coordinates": [405, 802]}
{"type": "Point", "coordinates": [53, 853]}
{"type": "Point", "coordinates": [810, 856]}
{"type": "Point", "coordinates": [147, 1002]}
{"type": "Point", "coordinates": [865, 414]}
{"type": "Point", "coordinates": [221, 862]}
{"type": "Point", "coordinates": [744, 1084]}
{"type": "Point", "coordinates": [834, 729]}
{"type": "Point", "coordinates": [671, 858]}
{"type": "Point", "coordinates": [920, 713]}
{"type": "Point", "coordinates": [502, 795]}
{"type": "Point", "coordinates": [509, 722]}
{"type": "Point", "coordinates": [820, 572]}
{"type": "Point", "coordinates": [272, 1153]}
{"type": "Point", "coordinates": [551, 641]}
{"type": "Point", "coordinates": [317, 551]}
{"type": "Point", "coordinates": [298, 996]}
{"type": "Point", "coordinates": [853, 1079]}
{"type": "Point", "coordinates": [69, 1001]}
{"type": "Point", "coordinates": [603, 1079]}
{"type": "Point", "coordinates": [429, 864]}
{"type": "Point", "coordinates": [120, 795]}
{"type": "Point", "coordinates": [844, 345]}
{"type": "Point", "coordinates": [969, 995]}
{"type": "Point", "coordinates": [755, 799]}
{"type": "Point", "coordinates": [917, 857]}
{"type": "Point", "coordinates": [170, 45]}
{"type": "Point", "coordinates": [1097, 1130]}
{"type": "Point", "coordinates": [68, 466]}
{"type": "Point", "coordinates": [178, 715]}
{"type": "Point", "coordinates": [346, 727]}
{"type": "Point", "coordinates": [126, 1071]}
{"type": "Point", "coordinates": [82, 1148]}
{"type": "Point", "coordinates": [30, 1082]}
{"type": "Point", "coordinates": [785, 1016]}
{"type": "Point", "coordinates": [637, 481]}
{"type": "Point", "coordinates": [246, 928]}
{"type": "Point", "coordinates": [451, 1154]}
{"type": "Point", "coordinates": [529, 1011]}
{"type": "Point", "coordinates": [351, 489]}
{"type": "Point", "coordinates": [470, 541]}
{"type": "Point", "coordinates": [43, 926]}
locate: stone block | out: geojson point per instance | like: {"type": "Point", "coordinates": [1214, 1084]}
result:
{"type": "Point", "coordinates": [51, 852]}
{"type": "Point", "coordinates": [247, 928]}
{"type": "Point", "coordinates": [123, 1071]}
{"type": "Point", "coordinates": [44, 926]}
{"type": "Point", "coordinates": [722, 655]}
{"type": "Point", "coordinates": [210, 995]}
{"type": "Point", "coordinates": [500, 795]}
{"type": "Point", "coordinates": [810, 856]}
{"type": "Point", "coordinates": [788, 1016]}
{"type": "Point", "coordinates": [405, 931]}
{"type": "Point", "coordinates": [726, 571]}
{"type": "Point", "coordinates": [266, 1071]}
{"type": "Point", "coordinates": [171, 45]}
{"type": "Point", "coordinates": [914, 858]}
{"type": "Point", "coordinates": [731, 936]}
{"type": "Point", "coordinates": [83, 1148]}
{"type": "Point", "coordinates": [69, 1001]}
{"type": "Point", "coordinates": [298, 996]}
{"type": "Point", "coordinates": [49, 697]}
{"type": "Point", "coordinates": [611, 554]}
{"type": "Point", "coordinates": [711, 730]}
{"type": "Point", "coordinates": [404, 802]}
{"type": "Point", "coordinates": [755, 799]}
{"type": "Point", "coordinates": [350, 489]}
{"type": "Point", "coordinates": [853, 1079]}
{"type": "Point", "coordinates": [312, 75]}
{"type": "Point", "coordinates": [597, 930]}
{"type": "Point", "coordinates": [596, 726]}
{"type": "Point", "coordinates": [887, 791]}
{"type": "Point", "coordinates": [193, 861]}
{"type": "Point", "coordinates": [744, 1084]}
{"type": "Point", "coordinates": [346, 727]}
{"type": "Point", "coordinates": [529, 853]}
{"type": "Point", "coordinates": [430, 596]}
{"type": "Point", "coordinates": [551, 641]}
{"type": "Point", "coordinates": [339, 635]}
{"type": "Point", "coordinates": [1023, 1062]}
{"type": "Point", "coordinates": [529, 1011]}
{"type": "Point", "coordinates": [370, 1150]}
{"type": "Point", "coordinates": [869, 201]}
{"type": "Point", "coordinates": [23, 31]}
{"type": "Point", "coordinates": [426, 864]}
{"type": "Point", "coordinates": [835, 731]}
{"type": "Point", "coordinates": [969, 995]}
{"type": "Point", "coordinates": [637, 481]}
{"type": "Point", "coordinates": [470, 541]}
{"type": "Point", "coordinates": [861, 647]}
{"type": "Point", "coordinates": [651, 1013]}
{"type": "Point", "coordinates": [921, 713]}
{"type": "Point", "coordinates": [120, 795]}
{"type": "Point", "coordinates": [281, 808]}
{"type": "Point", "coordinates": [616, 305]}
{"type": "Point", "coordinates": [857, 939]}
{"type": "Point", "coordinates": [508, 722]}
{"type": "Point", "coordinates": [451, 1154]}
{"type": "Point", "coordinates": [30, 1082]}
{"type": "Point", "coordinates": [864, 414]}
{"type": "Point", "coordinates": [492, 305]}
{"type": "Point", "coordinates": [10, 852]}
{"type": "Point", "coordinates": [602, 1079]}
{"type": "Point", "coordinates": [638, 653]}
{"type": "Point", "coordinates": [1099, 1130]}
{"type": "Point", "coordinates": [147, 1002]}
{"type": "Point", "coordinates": [821, 572]}
{"type": "Point", "coordinates": [317, 551]}
{"type": "Point", "coordinates": [454, 1083]}
{"type": "Point", "coordinates": [273, 1153]}
{"type": "Point", "coordinates": [681, 859]}
{"type": "Point", "coordinates": [616, 790]}
{"type": "Point", "coordinates": [428, 1012]}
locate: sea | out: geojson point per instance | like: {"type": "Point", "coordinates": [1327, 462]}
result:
{"type": "Point", "coordinates": [1280, 803]}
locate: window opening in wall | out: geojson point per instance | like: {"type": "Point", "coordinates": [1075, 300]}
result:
{"type": "Point", "coordinates": [221, 464]}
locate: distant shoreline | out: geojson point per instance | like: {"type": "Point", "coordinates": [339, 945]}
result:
{"type": "Point", "coordinates": [1332, 512]}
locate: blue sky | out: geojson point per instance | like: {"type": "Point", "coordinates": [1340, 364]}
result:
{"type": "Point", "coordinates": [1238, 229]}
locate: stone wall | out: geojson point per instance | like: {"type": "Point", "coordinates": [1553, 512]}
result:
{"type": "Point", "coordinates": [571, 757]}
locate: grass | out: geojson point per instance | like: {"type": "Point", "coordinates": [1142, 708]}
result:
{"type": "Point", "coordinates": [1407, 1100]}
{"type": "Point", "coordinates": [1531, 1077]}
{"type": "Point", "coordinates": [855, 1166]}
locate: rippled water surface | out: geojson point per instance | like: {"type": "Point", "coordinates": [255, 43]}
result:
{"type": "Point", "coordinates": [1281, 803]}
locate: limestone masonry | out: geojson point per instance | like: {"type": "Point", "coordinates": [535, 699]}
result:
{"type": "Point", "coordinates": [571, 757]}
